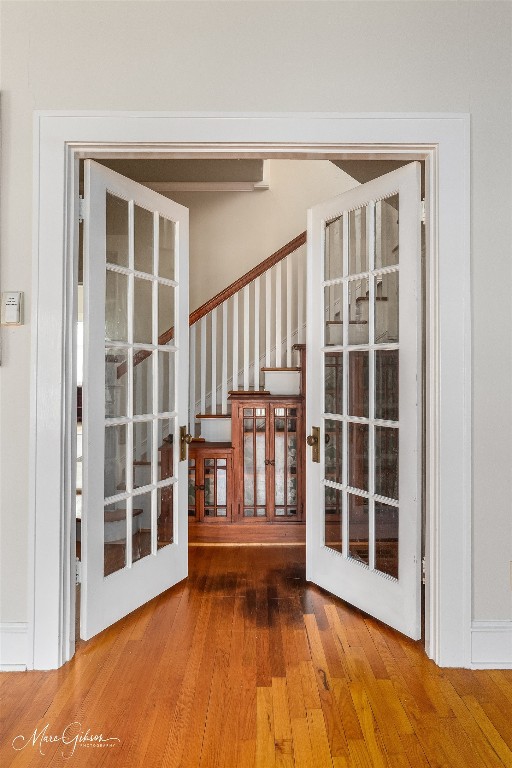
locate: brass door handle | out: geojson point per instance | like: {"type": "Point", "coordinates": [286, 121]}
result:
{"type": "Point", "coordinates": [313, 440]}
{"type": "Point", "coordinates": [185, 439]}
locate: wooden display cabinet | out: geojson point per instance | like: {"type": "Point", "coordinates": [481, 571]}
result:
{"type": "Point", "coordinates": [210, 482]}
{"type": "Point", "coordinates": [268, 470]}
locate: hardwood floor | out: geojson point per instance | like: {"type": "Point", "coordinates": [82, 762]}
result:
{"type": "Point", "coordinates": [246, 665]}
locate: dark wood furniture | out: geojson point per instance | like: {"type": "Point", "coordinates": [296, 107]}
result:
{"type": "Point", "coordinates": [268, 439]}
{"type": "Point", "coordinates": [210, 482]}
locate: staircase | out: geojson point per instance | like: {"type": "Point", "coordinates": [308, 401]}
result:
{"type": "Point", "coordinates": [245, 338]}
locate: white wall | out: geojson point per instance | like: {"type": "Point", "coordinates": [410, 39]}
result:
{"type": "Point", "coordinates": [305, 56]}
{"type": "Point", "coordinates": [230, 233]}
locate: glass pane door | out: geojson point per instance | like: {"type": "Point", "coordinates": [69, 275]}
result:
{"type": "Point", "coordinates": [363, 388]}
{"type": "Point", "coordinates": [136, 302]}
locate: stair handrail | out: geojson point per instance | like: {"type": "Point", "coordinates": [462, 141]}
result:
{"type": "Point", "coordinates": [243, 281]}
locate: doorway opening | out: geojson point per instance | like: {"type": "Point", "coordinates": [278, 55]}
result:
{"type": "Point", "coordinates": [266, 425]}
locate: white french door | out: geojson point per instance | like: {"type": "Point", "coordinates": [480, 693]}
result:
{"type": "Point", "coordinates": [363, 398]}
{"type": "Point", "coordinates": [134, 512]}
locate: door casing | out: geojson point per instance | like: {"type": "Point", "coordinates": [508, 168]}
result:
{"type": "Point", "coordinates": [61, 140]}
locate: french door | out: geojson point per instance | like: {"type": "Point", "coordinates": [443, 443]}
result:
{"type": "Point", "coordinates": [134, 519]}
{"type": "Point", "coordinates": [363, 398]}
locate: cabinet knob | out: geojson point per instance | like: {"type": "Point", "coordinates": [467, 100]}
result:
{"type": "Point", "coordinates": [312, 440]}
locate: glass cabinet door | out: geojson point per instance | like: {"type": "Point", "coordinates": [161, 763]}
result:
{"type": "Point", "coordinates": [255, 462]}
{"type": "Point", "coordinates": [215, 488]}
{"type": "Point", "coordinates": [285, 462]}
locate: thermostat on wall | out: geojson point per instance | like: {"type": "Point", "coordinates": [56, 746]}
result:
{"type": "Point", "coordinates": [12, 308]}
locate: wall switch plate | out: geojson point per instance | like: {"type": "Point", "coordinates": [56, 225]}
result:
{"type": "Point", "coordinates": [12, 308]}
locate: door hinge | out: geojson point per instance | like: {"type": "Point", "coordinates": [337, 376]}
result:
{"type": "Point", "coordinates": [78, 571]}
{"type": "Point", "coordinates": [423, 570]}
{"type": "Point", "coordinates": [81, 208]}
{"type": "Point", "coordinates": [423, 212]}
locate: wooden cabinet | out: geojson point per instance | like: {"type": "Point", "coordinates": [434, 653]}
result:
{"type": "Point", "coordinates": [268, 461]}
{"type": "Point", "coordinates": [210, 482]}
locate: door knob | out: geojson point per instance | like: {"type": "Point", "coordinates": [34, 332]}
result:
{"type": "Point", "coordinates": [313, 440]}
{"type": "Point", "coordinates": [185, 439]}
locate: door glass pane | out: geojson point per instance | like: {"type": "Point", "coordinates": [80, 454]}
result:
{"type": "Point", "coordinates": [386, 462]}
{"type": "Point", "coordinates": [221, 485]}
{"type": "Point", "coordinates": [260, 463]}
{"type": "Point", "coordinates": [358, 242]}
{"type": "Point", "coordinates": [333, 314]}
{"type": "Point", "coordinates": [142, 453]}
{"type": "Point", "coordinates": [333, 383]}
{"type": "Point", "coordinates": [116, 382]}
{"type": "Point", "coordinates": [333, 450]}
{"type": "Point", "coordinates": [142, 311]}
{"type": "Point", "coordinates": [358, 384]}
{"type": "Point", "coordinates": [117, 230]}
{"type": "Point", "coordinates": [358, 528]}
{"type": "Point", "coordinates": [114, 537]}
{"type": "Point", "coordinates": [386, 232]}
{"type": "Point", "coordinates": [142, 383]}
{"type": "Point", "coordinates": [115, 460]}
{"type": "Point", "coordinates": [166, 319]}
{"type": "Point", "coordinates": [116, 303]}
{"type": "Point", "coordinates": [248, 462]}
{"type": "Point", "coordinates": [166, 382]}
{"type": "Point", "coordinates": [141, 533]}
{"type": "Point", "coordinates": [358, 456]}
{"type": "Point", "coordinates": [166, 439]}
{"type": "Point", "coordinates": [333, 518]}
{"type": "Point", "coordinates": [334, 249]}
{"type": "Point", "coordinates": [209, 485]}
{"type": "Point", "coordinates": [386, 384]}
{"type": "Point", "coordinates": [191, 488]}
{"type": "Point", "coordinates": [358, 293]}
{"type": "Point", "coordinates": [291, 470]}
{"type": "Point", "coordinates": [279, 469]}
{"type": "Point", "coordinates": [143, 240]}
{"type": "Point", "coordinates": [166, 249]}
{"type": "Point", "coordinates": [165, 517]}
{"type": "Point", "coordinates": [386, 308]}
{"type": "Point", "coordinates": [386, 539]}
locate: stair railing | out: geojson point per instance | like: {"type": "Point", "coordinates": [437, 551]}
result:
{"type": "Point", "coordinates": [253, 323]}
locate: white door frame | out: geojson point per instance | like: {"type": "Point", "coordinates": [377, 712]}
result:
{"type": "Point", "coordinates": [61, 139]}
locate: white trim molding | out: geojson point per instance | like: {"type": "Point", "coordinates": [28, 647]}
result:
{"type": "Point", "coordinates": [61, 139]}
{"type": "Point", "coordinates": [13, 646]}
{"type": "Point", "coordinates": [491, 644]}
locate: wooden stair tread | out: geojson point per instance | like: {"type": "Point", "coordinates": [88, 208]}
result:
{"type": "Point", "coordinates": [116, 515]}
{"type": "Point", "coordinates": [213, 415]}
{"type": "Point", "coordinates": [291, 370]}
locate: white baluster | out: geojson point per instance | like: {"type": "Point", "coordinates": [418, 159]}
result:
{"type": "Point", "coordinates": [289, 300]}
{"type": "Point", "coordinates": [300, 296]}
{"type": "Point", "coordinates": [246, 337]}
{"type": "Point", "coordinates": [234, 382]}
{"type": "Point", "coordinates": [192, 380]}
{"type": "Point", "coordinates": [214, 361]}
{"type": "Point", "coordinates": [203, 365]}
{"type": "Point", "coordinates": [268, 316]}
{"type": "Point", "coordinates": [279, 339]}
{"type": "Point", "coordinates": [257, 333]}
{"type": "Point", "coordinates": [224, 385]}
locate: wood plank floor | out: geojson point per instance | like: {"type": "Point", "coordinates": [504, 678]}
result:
{"type": "Point", "coordinates": [245, 665]}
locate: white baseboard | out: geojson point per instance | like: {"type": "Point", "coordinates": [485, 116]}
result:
{"type": "Point", "coordinates": [13, 646]}
{"type": "Point", "coordinates": [491, 644]}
